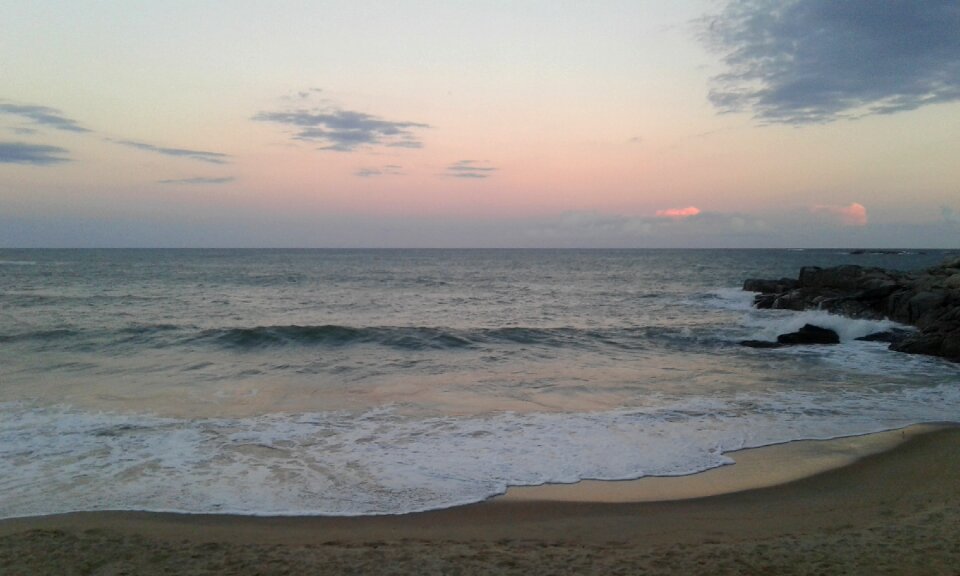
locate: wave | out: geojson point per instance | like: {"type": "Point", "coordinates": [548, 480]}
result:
{"type": "Point", "coordinates": [72, 338]}
{"type": "Point", "coordinates": [331, 335]}
{"type": "Point", "coordinates": [411, 338]}
{"type": "Point", "coordinates": [685, 337]}
{"type": "Point", "coordinates": [139, 337]}
{"type": "Point", "coordinates": [403, 337]}
{"type": "Point", "coordinates": [41, 335]}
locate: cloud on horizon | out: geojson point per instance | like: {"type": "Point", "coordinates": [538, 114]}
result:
{"type": "Point", "coordinates": [816, 61]}
{"type": "Point", "coordinates": [35, 154]}
{"type": "Point", "coordinates": [678, 212]}
{"type": "Point", "coordinates": [42, 115]}
{"type": "Point", "coordinates": [469, 169]}
{"type": "Point", "coordinates": [344, 130]}
{"type": "Point", "coordinates": [198, 180]}
{"type": "Point", "coordinates": [854, 214]}
{"type": "Point", "coordinates": [210, 157]}
{"type": "Point", "coordinates": [592, 228]}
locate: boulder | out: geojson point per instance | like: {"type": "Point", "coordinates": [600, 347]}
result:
{"type": "Point", "coordinates": [810, 334]}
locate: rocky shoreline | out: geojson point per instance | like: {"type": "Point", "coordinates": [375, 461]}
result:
{"type": "Point", "coordinates": [928, 300]}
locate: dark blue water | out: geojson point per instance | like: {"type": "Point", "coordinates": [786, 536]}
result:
{"type": "Point", "coordinates": [366, 381]}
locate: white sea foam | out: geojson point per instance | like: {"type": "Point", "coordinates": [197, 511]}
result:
{"type": "Point", "coordinates": [380, 462]}
{"type": "Point", "coordinates": [768, 324]}
{"type": "Point", "coordinates": [731, 299]}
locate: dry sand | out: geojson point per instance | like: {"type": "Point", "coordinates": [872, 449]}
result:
{"type": "Point", "coordinates": [892, 512]}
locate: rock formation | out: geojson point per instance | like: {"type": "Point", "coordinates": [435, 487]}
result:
{"type": "Point", "coordinates": [928, 299]}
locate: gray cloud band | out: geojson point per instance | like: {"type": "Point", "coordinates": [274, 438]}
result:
{"type": "Point", "coordinates": [202, 180]}
{"type": "Point", "coordinates": [42, 115]}
{"type": "Point", "coordinates": [35, 154]}
{"type": "Point", "coordinates": [345, 130]}
{"type": "Point", "coordinates": [211, 157]}
{"type": "Point", "coordinates": [815, 61]}
{"type": "Point", "coordinates": [469, 169]}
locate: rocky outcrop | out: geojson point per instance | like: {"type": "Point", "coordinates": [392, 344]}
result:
{"type": "Point", "coordinates": [928, 299]}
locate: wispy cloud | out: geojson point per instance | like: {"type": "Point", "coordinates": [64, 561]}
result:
{"type": "Point", "coordinates": [386, 170]}
{"type": "Point", "coordinates": [304, 94]}
{"type": "Point", "coordinates": [814, 61]}
{"type": "Point", "coordinates": [42, 115]}
{"type": "Point", "coordinates": [854, 214]}
{"type": "Point", "coordinates": [469, 169]}
{"type": "Point", "coordinates": [678, 212]}
{"type": "Point", "coordinates": [592, 228]}
{"type": "Point", "coordinates": [210, 157]}
{"type": "Point", "coordinates": [36, 154]}
{"type": "Point", "coordinates": [198, 180]}
{"type": "Point", "coordinates": [344, 130]}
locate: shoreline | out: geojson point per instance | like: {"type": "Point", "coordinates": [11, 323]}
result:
{"type": "Point", "coordinates": [896, 508]}
{"type": "Point", "coordinates": [752, 469]}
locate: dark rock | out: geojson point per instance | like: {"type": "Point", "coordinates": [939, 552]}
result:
{"type": "Point", "coordinates": [769, 286]}
{"type": "Point", "coordinates": [892, 336]}
{"type": "Point", "coordinates": [922, 304]}
{"type": "Point", "coordinates": [791, 300]}
{"type": "Point", "coordinates": [860, 252]}
{"type": "Point", "coordinates": [921, 343]}
{"type": "Point", "coordinates": [764, 301]}
{"type": "Point", "coordinates": [810, 334]}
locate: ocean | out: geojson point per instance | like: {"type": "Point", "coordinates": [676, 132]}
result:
{"type": "Point", "coordinates": [361, 382]}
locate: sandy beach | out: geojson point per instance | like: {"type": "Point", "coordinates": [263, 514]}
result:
{"type": "Point", "coordinates": [896, 511]}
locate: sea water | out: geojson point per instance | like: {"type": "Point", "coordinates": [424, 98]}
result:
{"type": "Point", "coordinates": [357, 382]}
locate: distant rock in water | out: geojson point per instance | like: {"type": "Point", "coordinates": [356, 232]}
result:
{"type": "Point", "coordinates": [928, 299]}
{"type": "Point", "coordinates": [808, 334]}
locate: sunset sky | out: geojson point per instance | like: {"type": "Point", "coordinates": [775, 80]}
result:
{"type": "Point", "coordinates": [637, 123]}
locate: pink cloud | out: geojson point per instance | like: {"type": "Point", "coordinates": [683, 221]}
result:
{"type": "Point", "coordinates": [678, 212]}
{"type": "Point", "coordinates": [854, 214]}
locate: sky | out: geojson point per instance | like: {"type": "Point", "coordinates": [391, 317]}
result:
{"type": "Point", "coordinates": [625, 124]}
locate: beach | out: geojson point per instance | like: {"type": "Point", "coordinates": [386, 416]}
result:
{"type": "Point", "coordinates": [896, 511]}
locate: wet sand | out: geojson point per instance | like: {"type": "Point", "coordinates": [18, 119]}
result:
{"type": "Point", "coordinates": [891, 507]}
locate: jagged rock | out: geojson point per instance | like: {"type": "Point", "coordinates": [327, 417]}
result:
{"type": "Point", "coordinates": [810, 334]}
{"type": "Point", "coordinates": [928, 299]}
{"type": "Point", "coordinates": [764, 301]}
